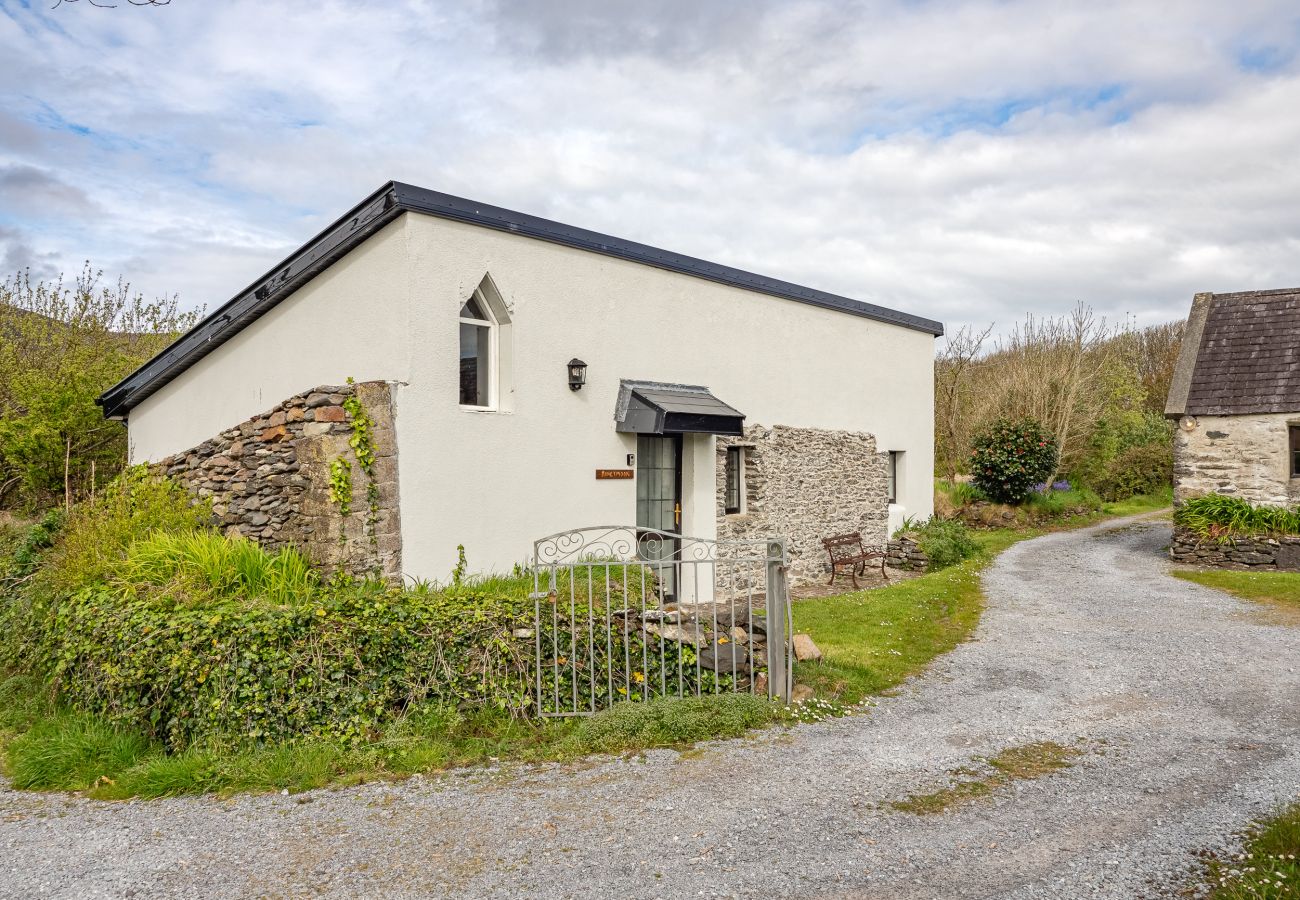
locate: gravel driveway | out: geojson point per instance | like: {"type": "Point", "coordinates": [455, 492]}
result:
{"type": "Point", "coordinates": [1185, 703]}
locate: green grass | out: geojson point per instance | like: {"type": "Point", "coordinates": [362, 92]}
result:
{"type": "Point", "coordinates": [1269, 869]}
{"type": "Point", "coordinates": [874, 639]}
{"type": "Point", "coordinates": [53, 749]}
{"type": "Point", "coordinates": [1142, 503]}
{"type": "Point", "coordinates": [1281, 588]}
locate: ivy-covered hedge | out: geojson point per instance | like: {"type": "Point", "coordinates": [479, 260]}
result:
{"type": "Point", "coordinates": [234, 672]}
{"type": "Point", "coordinates": [138, 611]}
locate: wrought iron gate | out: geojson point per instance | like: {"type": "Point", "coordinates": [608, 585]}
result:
{"type": "Point", "coordinates": [624, 613]}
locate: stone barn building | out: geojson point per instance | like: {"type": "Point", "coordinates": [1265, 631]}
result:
{"type": "Point", "coordinates": [430, 372]}
{"type": "Point", "coordinates": [1236, 398]}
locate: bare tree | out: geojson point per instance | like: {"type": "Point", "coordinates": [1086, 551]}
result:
{"type": "Point", "coordinates": [1053, 370]}
{"type": "Point", "coordinates": [955, 397]}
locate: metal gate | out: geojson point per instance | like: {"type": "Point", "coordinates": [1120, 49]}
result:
{"type": "Point", "coordinates": [626, 614]}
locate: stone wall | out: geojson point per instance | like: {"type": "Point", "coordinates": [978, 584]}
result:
{"type": "Point", "coordinates": [806, 484]}
{"type": "Point", "coordinates": [1241, 456]}
{"type": "Point", "coordinates": [905, 553]}
{"type": "Point", "coordinates": [269, 480]}
{"type": "Point", "coordinates": [1254, 552]}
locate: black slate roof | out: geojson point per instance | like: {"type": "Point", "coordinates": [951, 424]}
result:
{"type": "Point", "coordinates": [389, 202]}
{"type": "Point", "coordinates": [1248, 359]}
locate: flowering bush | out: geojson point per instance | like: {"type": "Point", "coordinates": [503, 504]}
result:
{"type": "Point", "coordinates": [1009, 458]}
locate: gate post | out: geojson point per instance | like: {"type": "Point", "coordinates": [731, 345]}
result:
{"type": "Point", "coordinates": [779, 674]}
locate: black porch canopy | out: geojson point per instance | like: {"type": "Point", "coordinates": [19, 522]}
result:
{"type": "Point", "coordinates": [652, 407]}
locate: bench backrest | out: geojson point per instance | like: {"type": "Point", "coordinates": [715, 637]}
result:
{"type": "Point", "coordinates": [845, 546]}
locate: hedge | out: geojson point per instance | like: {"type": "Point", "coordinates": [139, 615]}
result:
{"type": "Point", "coordinates": [340, 667]}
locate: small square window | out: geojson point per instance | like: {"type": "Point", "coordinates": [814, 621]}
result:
{"type": "Point", "coordinates": [734, 499]}
{"type": "Point", "coordinates": [1293, 432]}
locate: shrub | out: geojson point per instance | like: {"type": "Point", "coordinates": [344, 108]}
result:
{"type": "Point", "coordinates": [674, 721]}
{"type": "Point", "coordinates": [1009, 458]}
{"type": "Point", "coordinates": [945, 542]}
{"type": "Point", "coordinates": [28, 550]}
{"type": "Point", "coordinates": [236, 671]}
{"type": "Point", "coordinates": [99, 532]}
{"type": "Point", "coordinates": [1143, 469]}
{"type": "Point", "coordinates": [1216, 517]}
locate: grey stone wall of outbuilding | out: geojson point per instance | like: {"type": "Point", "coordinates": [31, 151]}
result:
{"type": "Point", "coordinates": [806, 484]}
{"type": "Point", "coordinates": [269, 480]}
{"type": "Point", "coordinates": [1257, 552]}
{"type": "Point", "coordinates": [1244, 456]}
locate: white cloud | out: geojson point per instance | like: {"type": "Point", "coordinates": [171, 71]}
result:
{"type": "Point", "coordinates": [964, 161]}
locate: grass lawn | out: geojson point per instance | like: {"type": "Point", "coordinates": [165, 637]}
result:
{"type": "Point", "coordinates": [1270, 866]}
{"type": "Point", "coordinates": [1282, 588]}
{"type": "Point", "coordinates": [875, 639]}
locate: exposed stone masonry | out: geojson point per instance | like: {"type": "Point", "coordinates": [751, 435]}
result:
{"type": "Point", "coordinates": [1254, 552]}
{"type": "Point", "coordinates": [806, 484]}
{"type": "Point", "coordinates": [269, 479]}
{"type": "Point", "coordinates": [905, 553]}
{"type": "Point", "coordinates": [1242, 456]}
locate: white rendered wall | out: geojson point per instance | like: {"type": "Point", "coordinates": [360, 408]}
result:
{"type": "Point", "coordinates": [495, 481]}
{"type": "Point", "coordinates": [349, 320]}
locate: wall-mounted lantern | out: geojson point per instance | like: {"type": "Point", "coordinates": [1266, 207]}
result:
{"type": "Point", "coordinates": [577, 374]}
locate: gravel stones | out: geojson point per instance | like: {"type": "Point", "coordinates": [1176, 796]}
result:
{"type": "Point", "coordinates": [1182, 699]}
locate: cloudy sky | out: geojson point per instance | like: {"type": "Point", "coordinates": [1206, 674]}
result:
{"type": "Point", "coordinates": [966, 161]}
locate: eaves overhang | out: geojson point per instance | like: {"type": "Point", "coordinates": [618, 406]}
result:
{"type": "Point", "coordinates": [385, 205]}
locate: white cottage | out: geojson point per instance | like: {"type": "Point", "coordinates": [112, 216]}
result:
{"type": "Point", "coordinates": [521, 377]}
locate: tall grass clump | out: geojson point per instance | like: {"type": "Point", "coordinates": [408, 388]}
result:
{"type": "Point", "coordinates": [1219, 518]}
{"type": "Point", "coordinates": [204, 566]}
{"type": "Point", "coordinates": [99, 533]}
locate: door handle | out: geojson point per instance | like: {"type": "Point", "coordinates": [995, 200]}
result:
{"type": "Point", "coordinates": [677, 514]}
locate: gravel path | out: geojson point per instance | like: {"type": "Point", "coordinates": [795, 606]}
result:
{"type": "Point", "coordinates": [1183, 700]}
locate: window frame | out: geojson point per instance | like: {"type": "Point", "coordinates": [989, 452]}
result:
{"type": "Point", "coordinates": [1293, 445]}
{"type": "Point", "coordinates": [891, 477]}
{"type": "Point", "coordinates": [493, 330]}
{"type": "Point", "coordinates": [734, 464]}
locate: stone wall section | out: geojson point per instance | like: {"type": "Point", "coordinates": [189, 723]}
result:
{"type": "Point", "coordinates": [1241, 456]}
{"type": "Point", "coordinates": [1261, 552]}
{"type": "Point", "coordinates": [269, 480]}
{"type": "Point", "coordinates": [906, 553]}
{"type": "Point", "coordinates": [806, 484]}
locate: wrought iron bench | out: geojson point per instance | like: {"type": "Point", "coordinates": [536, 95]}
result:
{"type": "Point", "coordinates": [848, 550]}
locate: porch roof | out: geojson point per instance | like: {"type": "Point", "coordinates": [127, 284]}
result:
{"type": "Point", "coordinates": [653, 407]}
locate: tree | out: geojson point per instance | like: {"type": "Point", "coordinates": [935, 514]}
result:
{"type": "Point", "coordinates": [955, 397]}
{"type": "Point", "coordinates": [1052, 370]}
{"type": "Point", "coordinates": [60, 347]}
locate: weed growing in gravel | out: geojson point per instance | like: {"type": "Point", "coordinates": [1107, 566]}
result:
{"type": "Point", "coordinates": [1024, 762]}
{"type": "Point", "coordinates": [1269, 869]}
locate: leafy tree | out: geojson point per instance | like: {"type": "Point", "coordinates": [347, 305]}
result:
{"type": "Point", "coordinates": [60, 347]}
{"type": "Point", "coordinates": [1010, 457]}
